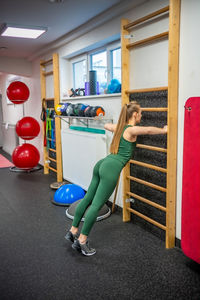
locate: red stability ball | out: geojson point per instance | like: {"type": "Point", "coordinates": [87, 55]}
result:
{"type": "Point", "coordinates": [25, 156]}
{"type": "Point", "coordinates": [27, 128]}
{"type": "Point", "coordinates": [18, 92]}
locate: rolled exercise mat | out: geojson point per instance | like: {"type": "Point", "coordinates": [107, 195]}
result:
{"type": "Point", "coordinates": [93, 82]}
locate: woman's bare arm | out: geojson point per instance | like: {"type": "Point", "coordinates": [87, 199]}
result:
{"type": "Point", "coordinates": [150, 130]}
{"type": "Point", "coordinates": [111, 127]}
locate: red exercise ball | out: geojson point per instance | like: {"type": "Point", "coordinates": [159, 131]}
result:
{"type": "Point", "coordinates": [25, 156]}
{"type": "Point", "coordinates": [18, 92]}
{"type": "Point", "coordinates": [27, 128]}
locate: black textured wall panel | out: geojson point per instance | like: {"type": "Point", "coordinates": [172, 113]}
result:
{"type": "Point", "coordinates": [158, 119]}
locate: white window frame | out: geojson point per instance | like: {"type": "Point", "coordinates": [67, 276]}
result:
{"type": "Point", "coordinates": [110, 64]}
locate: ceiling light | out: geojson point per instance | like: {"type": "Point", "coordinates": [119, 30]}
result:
{"type": "Point", "coordinates": [53, 1]}
{"type": "Point", "coordinates": [29, 32]}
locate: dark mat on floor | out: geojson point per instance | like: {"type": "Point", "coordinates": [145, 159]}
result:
{"type": "Point", "coordinates": [36, 262]}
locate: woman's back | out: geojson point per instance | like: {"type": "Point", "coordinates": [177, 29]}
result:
{"type": "Point", "coordinates": [125, 149]}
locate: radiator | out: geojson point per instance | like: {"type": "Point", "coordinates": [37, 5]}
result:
{"type": "Point", "coordinates": [9, 138]}
{"type": "Point", "coordinates": [80, 152]}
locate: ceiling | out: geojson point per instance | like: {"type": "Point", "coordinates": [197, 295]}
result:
{"type": "Point", "coordinates": [62, 18]}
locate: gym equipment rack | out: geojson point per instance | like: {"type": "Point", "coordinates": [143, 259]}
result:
{"type": "Point", "coordinates": [172, 111]}
{"type": "Point", "coordinates": [83, 120]}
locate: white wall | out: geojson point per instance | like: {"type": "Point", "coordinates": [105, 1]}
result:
{"type": "Point", "coordinates": [12, 65]}
{"type": "Point", "coordinates": [148, 67]}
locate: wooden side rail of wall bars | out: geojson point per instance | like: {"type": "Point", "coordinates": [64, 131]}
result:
{"type": "Point", "coordinates": [56, 99]}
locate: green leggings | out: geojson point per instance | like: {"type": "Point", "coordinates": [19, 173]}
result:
{"type": "Point", "coordinates": [105, 176]}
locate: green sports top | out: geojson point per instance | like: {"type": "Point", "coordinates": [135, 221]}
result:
{"type": "Point", "coordinates": [125, 150]}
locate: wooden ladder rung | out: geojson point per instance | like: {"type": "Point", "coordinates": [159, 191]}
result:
{"type": "Point", "coordinates": [53, 150]}
{"type": "Point", "coordinates": [146, 218]}
{"type": "Point", "coordinates": [47, 62]}
{"type": "Point", "coordinates": [147, 201]}
{"type": "Point", "coordinates": [49, 139]}
{"type": "Point", "coordinates": [52, 169]}
{"type": "Point", "coordinates": [149, 39]}
{"type": "Point", "coordinates": [155, 89]}
{"type": "Point", "coordinates": [154, 186]}
{"type": "Point", "coordinates": [142, 164]}
{"type": "Point", "coordinates": [147, 147]}
{"type": "Point", "coordinates": [52, 159]}
{"type": "Point", "coordinates": [48, 73]}
{"type": "Point", "coordinates": [153, 109]}
{"type": "Point", "coordinates": [48, 99]}
{"type": "Point", "coordinates": [147, 17]}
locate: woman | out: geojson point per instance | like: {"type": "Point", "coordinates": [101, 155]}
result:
{"type": "Point", "coordinates": [106, 173]}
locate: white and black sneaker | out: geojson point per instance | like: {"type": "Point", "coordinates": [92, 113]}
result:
{"type": "Point", "coordinates": [83, 248]}
{"type": "Point", "coordinates": [70, 236]}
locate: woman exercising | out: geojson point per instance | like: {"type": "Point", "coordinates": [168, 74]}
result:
{"type": "Point", "coordinates": [106, 173]}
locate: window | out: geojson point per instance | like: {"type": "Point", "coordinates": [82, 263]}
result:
{"type": "Point", "coordinates": [106, 61]}
{"type": "Point", "coordinates": [79, 74]}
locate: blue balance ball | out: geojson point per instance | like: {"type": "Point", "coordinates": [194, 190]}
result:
{"type": "Point", "coordinates": [67, 194]}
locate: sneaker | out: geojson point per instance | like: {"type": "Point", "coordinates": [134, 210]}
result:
{"type": "Point", "coordinates": [70, 236]}
{"type": "Point", "coordinates": [83, 248]}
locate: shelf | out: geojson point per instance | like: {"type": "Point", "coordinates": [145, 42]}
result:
{"type": "Point", "coordinates": [88, 118]}
{"type": "Point", "coordinates": [91, 97]}
{"type": "Point", "coordinates": [83, 120]}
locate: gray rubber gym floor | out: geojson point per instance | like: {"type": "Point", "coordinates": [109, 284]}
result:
{"type": "Point", "coordinates": [37, 263]}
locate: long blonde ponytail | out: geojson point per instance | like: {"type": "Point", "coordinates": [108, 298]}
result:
{"type": "Point", "coordinates": [125, 114]}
